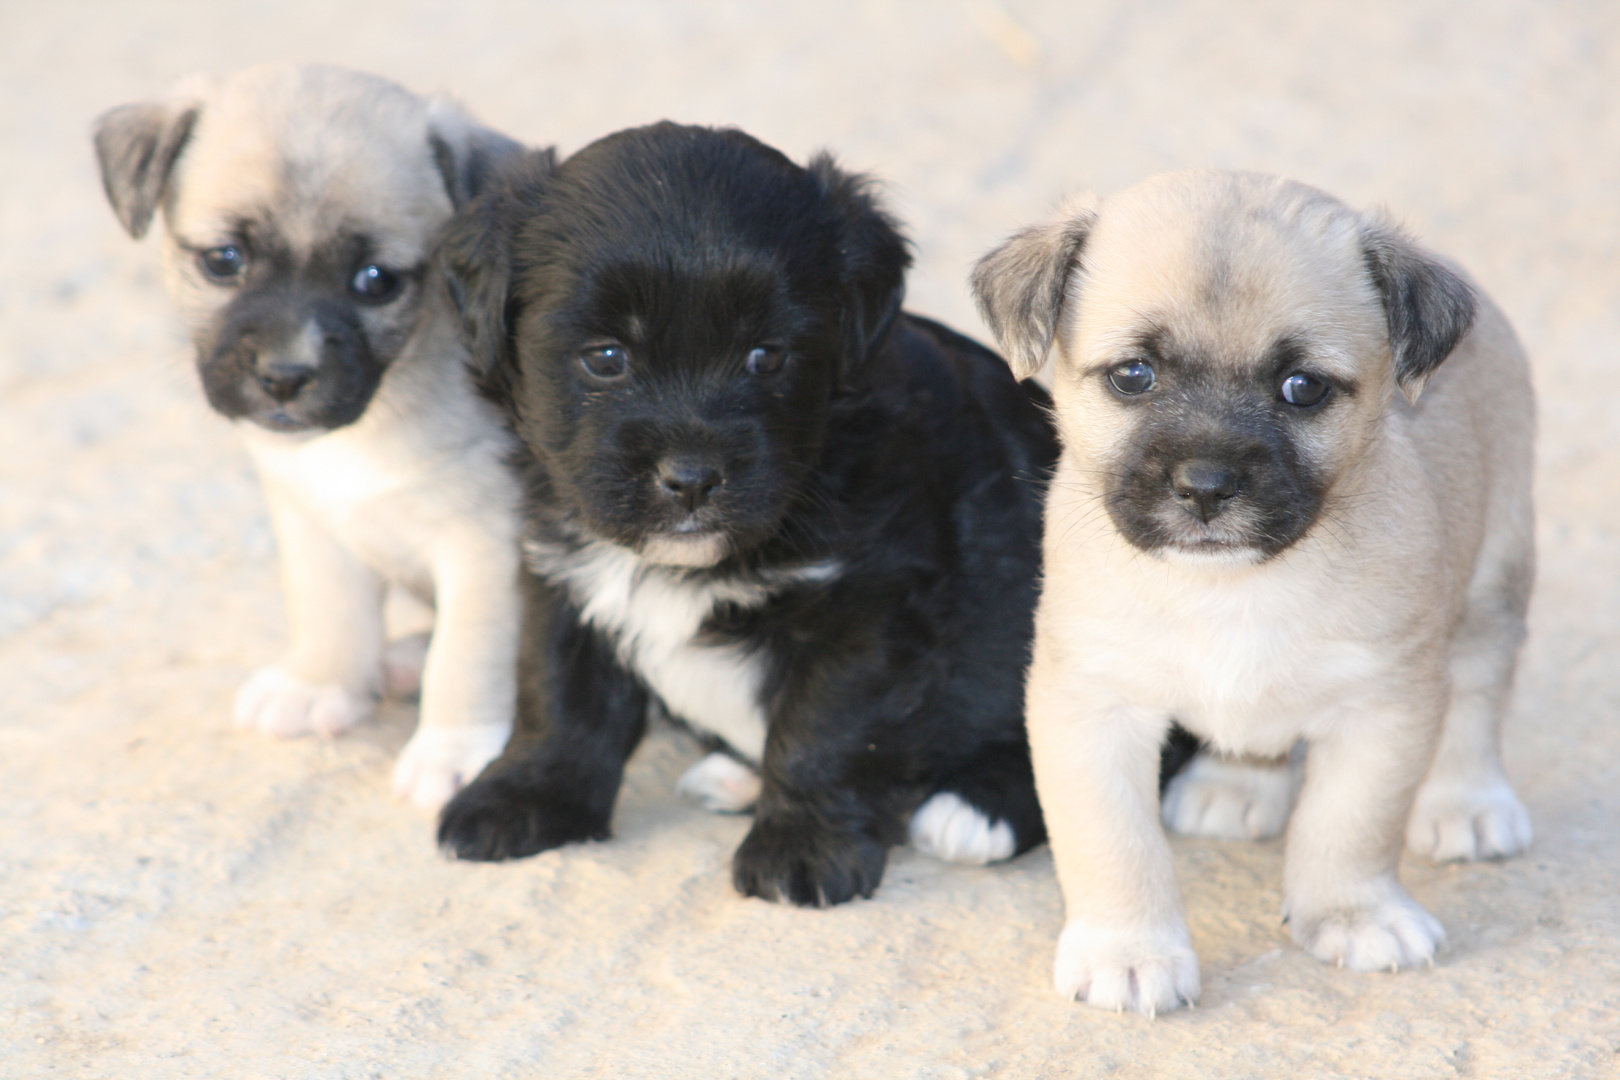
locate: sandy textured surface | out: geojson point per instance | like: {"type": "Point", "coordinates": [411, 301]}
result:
{"type": "Point", "coordinates": [179, 900]}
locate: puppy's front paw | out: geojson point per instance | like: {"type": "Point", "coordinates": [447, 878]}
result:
{"type": "Point", "coordinates": [1230, 800]}
{"type": "Point", "coordinates": [949, 827]}
{"type": "Point", "coordinates": [720, 784]}
{"type": "Point", "coordinates": [276, 703]}
{"type": "Point", "coordinates": [795, 859]}
{"type": "Point", "coordinates": [495, 818]}
{"type": "Point", "coordinates": [1387, 934]}
{"type": "Point", "coordinates": [437, 762]}
{"type": "Point", "coordinates": [1149, 971]}
{"type": "Point", "coordinates": [1452, 821]}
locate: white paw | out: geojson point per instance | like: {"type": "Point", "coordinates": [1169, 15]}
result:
{"type": "Point", "coordinates": [1147, 971]}
{"type": "Point", "coordinates": [721, 784]}
{"type": "Point", "coordinates": [1453, 821]}
{"type": "Point", "coordinates": [438, 762]}
{"type": "Point", "coordinates": [1385, 935]}
{"type": "Point", "coordinates": [276, 703]}
{"type": "Point", "coordinates": [1232, 800]}
{"type": "Point", "coordinates": [948, 827]}
{"type": "Point", "coordinates": [403, 661]}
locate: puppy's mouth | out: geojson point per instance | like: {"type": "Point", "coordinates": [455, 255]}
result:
{"type": "Point", "coordinates": [688, 544]}
{"type": "Point", "coordinates": [283, 422]}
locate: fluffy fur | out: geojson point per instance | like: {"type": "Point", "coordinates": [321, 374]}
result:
{"type": "Point", "coordinates": [805, 523]}
{"type": "Point", "coordinates": [300, 208]}
{"type": "Point", "coordinates": [1293, 504]}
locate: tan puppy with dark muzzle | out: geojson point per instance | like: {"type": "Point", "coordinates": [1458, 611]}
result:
{"type": "Point", "coordinates": [1278, 517]}
{"type": "Point", "coordinates": [301, 207]}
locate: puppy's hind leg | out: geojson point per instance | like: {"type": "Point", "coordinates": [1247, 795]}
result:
{"type": "Point", "coordinates": [329, 679]}
{"type": "Point", "coordinates": [986, 813]}
{"type": "Point", "coordinates": [1466, 808]}
{"type": "Point", "coordinates": [721, 784]}
{"type": "Point", "coordinates": [1236, 798]}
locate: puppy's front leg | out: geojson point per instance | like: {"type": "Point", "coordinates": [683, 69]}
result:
{"type": "Point", "coordinates": [820, 836]}
{"type": "Point", "coordinates": [469, 684]}
{"type": "Point", "coordinates": [1125, 943]}
{"type": "Point", "coordinates": [1342, 900]}
{"type": "Point", "coordinates": [579, 715]}
{"type": "Point", "coordinates": [329, 678]}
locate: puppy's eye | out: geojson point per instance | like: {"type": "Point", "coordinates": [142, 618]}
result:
{"type": "Point", "coordinates": [606, 361]}
{"type": "Point", "coordinates": [766, 360]}
{"type": "Point", "coordinates": [1303, 390]}
{"type": "Point", "coordinates": [1132, 378]}
{"type": "Point", "coordinates": [374, 284]}
{"type": "Point", "coordinates": [223, 263]}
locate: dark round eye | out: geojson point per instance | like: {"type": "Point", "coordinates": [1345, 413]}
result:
{"type": "Point", "coordinates": [1133, 377]}
{"type": "Point", "coordinates": [223, 263]}
{"type": "Point", "coordinates": [766, 360]}
{"type": "Point", "coordinates": [374, 283]}
{"type": "Point", "coordinates": [606, 361]}
{"type": "Point", "coordinates": [1303, 390]}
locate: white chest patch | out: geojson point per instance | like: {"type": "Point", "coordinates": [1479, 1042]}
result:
{"type": "Point", "coordinates": [653, 615]}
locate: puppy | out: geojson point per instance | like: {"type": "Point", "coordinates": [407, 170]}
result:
{"type": "Point", "coordinates": [1293, 504]}
{"type": "Point", "coordinates": [803, 522]}
{"type": "Point", "coordinates": [300, 206]}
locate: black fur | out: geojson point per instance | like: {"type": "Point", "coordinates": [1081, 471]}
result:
{"type": "Point", "coordinates": [1429, 307]}
{"type": "Point", "coordinates": [255, 338]}
{"type": "Point", "coordinates": [900, 452]}
{"type": "Point", "coordinates": [1203, 430]}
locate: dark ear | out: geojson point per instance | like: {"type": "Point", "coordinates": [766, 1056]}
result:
{"type": "Point", "coordinates": [1429, 308]}
{"type": "Point", "coordinates": [468, 156]}
{"type": "Point", "coordinates": [875, 258]}
{"type": "Point", "coordinates": [1020, 286]}
{"type": "Point", "coordinates": [137, 146]}
{"type": "Point", "coordinates": [474, 258]}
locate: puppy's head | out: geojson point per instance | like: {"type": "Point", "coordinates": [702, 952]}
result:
{"type": "Point", "coordinates": [300, 205]}
{"type": "Point", "coordinates": [1228, 346]}
{"type": "Point", "coordinates": [669, 315]}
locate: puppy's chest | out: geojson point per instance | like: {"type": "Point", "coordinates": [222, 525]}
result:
{"type": "Point", "coordinates": [395, 510]}
{"type": "Point", "coordinates": [1251, 673]}
{"type": "Point", "coordinates": [656, 619]}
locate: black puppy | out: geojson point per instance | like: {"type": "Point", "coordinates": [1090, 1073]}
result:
{"type": "Point", "coordinates": [806, 523]}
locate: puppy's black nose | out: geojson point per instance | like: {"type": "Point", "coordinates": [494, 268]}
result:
{"type": "Point", "coordinates": [1204, 487]}
{"type": "Point", "coordinates": [689, 481]}
{"type": "Point", "coordinates": [283, 381]}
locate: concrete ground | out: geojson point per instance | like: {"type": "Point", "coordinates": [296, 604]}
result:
{"type": "Point", "coordinates": [179, 900]}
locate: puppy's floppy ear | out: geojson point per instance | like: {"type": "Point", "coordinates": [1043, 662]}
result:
{"type": "Point", "coordinates": [1020, 286]}
{"type": "Point", "coordinates": [1428, 307]}
{"type": "Point", "coordinates": [476, 261]}
{"type": "Point", "coordinates": [137, 146]}
{"type": "Point", "coordinates": [468, 156]}
{"type": "Point", "coordinates": [875, 258]}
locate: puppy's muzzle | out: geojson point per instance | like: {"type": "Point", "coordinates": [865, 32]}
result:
{"type": "Point", "coordinates": [283, 380]}
{"type": "Point", "coordinates": [1205, 488]}
{"type": "Point", "coordinates": [688, 481]}
{"type": "Point", "coordinates": [291, 366]}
